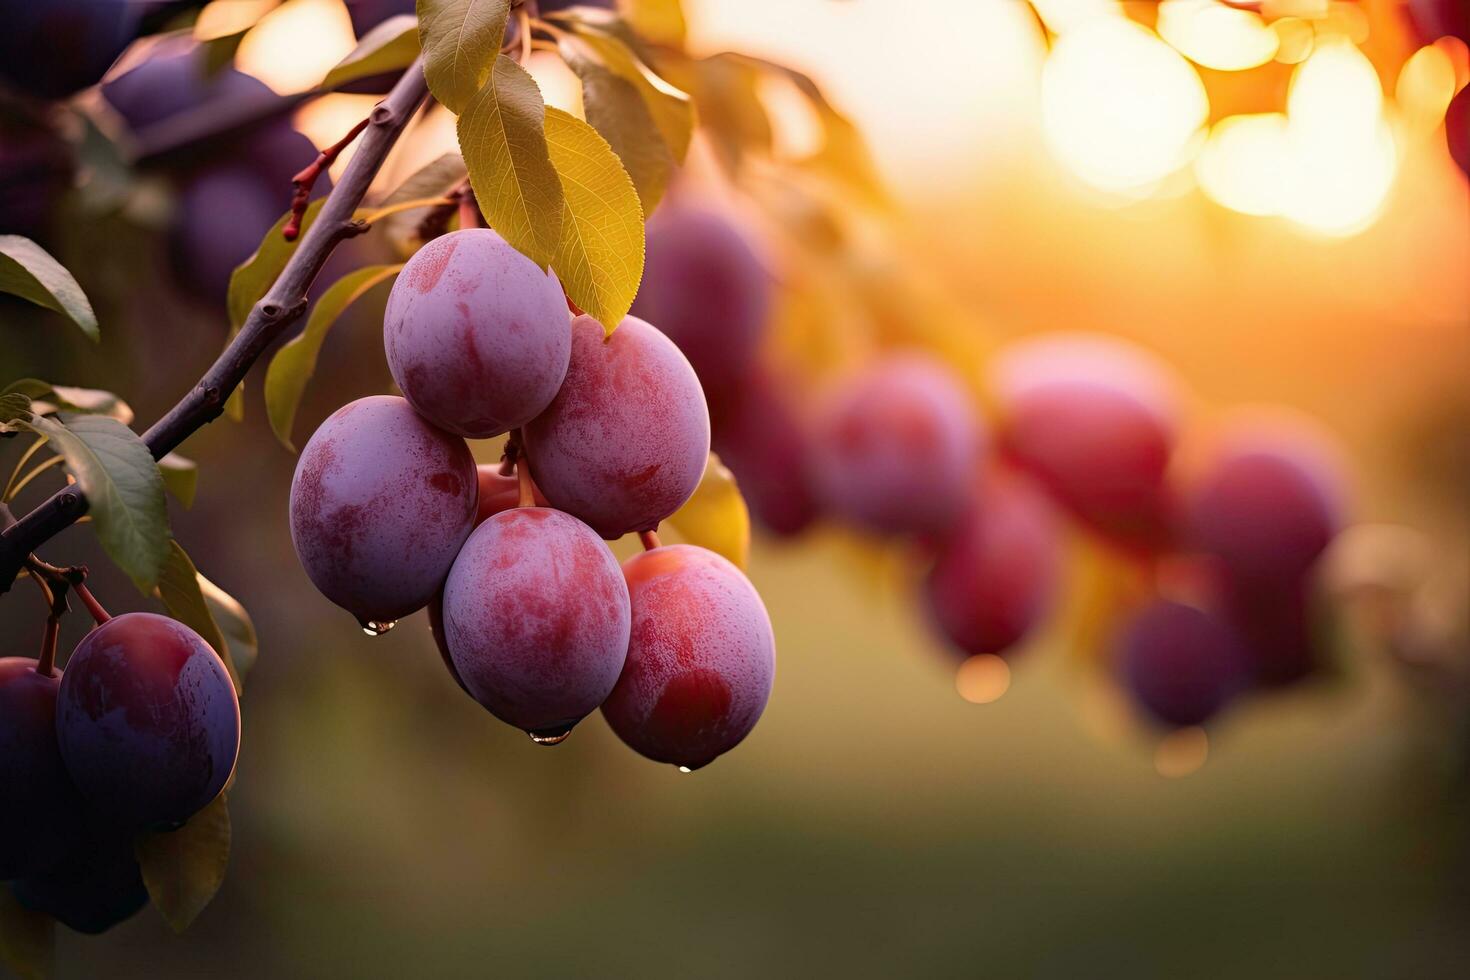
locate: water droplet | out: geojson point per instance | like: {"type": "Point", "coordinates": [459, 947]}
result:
{"type": "Point", "coordinates": [697, 765]}
{"type": "Point", "coordinates": [551, 736]}
{"type": "Point", "coordinates": [377, 627]}
{"type": "Point", "coordinates": [685, 769]}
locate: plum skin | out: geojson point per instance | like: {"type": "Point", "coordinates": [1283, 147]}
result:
{"type": "Point", "coordinates": [765, 439]}
{"type": "Point", "coordinates": [476, 334]}
{"type": "Point", "coordinates": [98, 887]}
{"type": "Point", "coordinates": [147, 720]}
{"type": "Point", "coordinates": [536, 619]}
{"type": "Point", "coordinates": [895, 448]}
{"type": "Point", "coordinates": [1181, 664]}
{"type": "Point", "coordinates": [625, 441]}
{"type": "Point", "coordinates": [701, 660]}
{"type": "Point", "coordinates": [39, 805]}
{"type": "Point", "coordinates": [380, 504]}
{"type": "Point", "coordinates": [997, 573]}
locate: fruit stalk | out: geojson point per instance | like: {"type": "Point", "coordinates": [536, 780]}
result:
{"type": "Point", "coordinates": [280, 308]}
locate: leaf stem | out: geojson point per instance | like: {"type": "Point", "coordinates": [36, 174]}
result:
{"type": "Point", "coordinates": [37, 471]}
{"type": "Point", "coordinates": [25, 458]}
{"type": "Point", "coordinates": [280, 308]}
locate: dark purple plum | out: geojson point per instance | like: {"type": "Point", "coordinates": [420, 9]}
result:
{"type": "Point", "coordinates": [175, 79]}
{"type": "Point", "coordinates": [223, 215]}
{"type": "Point", "coordinates": [50, 49]}
{"type": "Point", "coordinates": [998, 571]}
{"type": "Point", "coordinates": [536, 619]}
{"type": "Point", "coordinates": [895, 448]}
{"type": "Point", "coordinates": [380, 504]}
{"type": "Point", "coordinates": [36, 169]}
{"type": "Point", "coordinates": [1266, 507]}
{"type": "Point", "coordinates": [765, 439]}
{"type": "Point", "coordinates": [100, 886]}
{"type": "Point", "coordinates": [1457, 129]}
{"type": "Point", "coordinates": [39, 805]}
{"type": "Point", "coordinates": [1180, 664]}
{"type": "Point", "coordinates": [367, 14]}
{"type": "Point", "coordinates": [625, 441]}
{"type": "Point", "coordinates": [1435, 19]}
{"type": "Point", "coordinates": [704, 287]}
{"type": "Point", "coordinates": [701, 660]}
{"type": "Point", "coordinates": [1093, 419]}
{"type": "Point", "coordinates": [1276, 630]}
{"type": "Point", "coordinates": [147, 720]}
{"type": "Point", "coordinates": [477, 335]}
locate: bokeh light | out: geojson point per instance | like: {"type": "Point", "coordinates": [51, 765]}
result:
{"type": "Point", "coordinates": [983, 679]}
{"type": "Point", "coordinates": [1214, 35]}
{"type": "Point", "coordinates": [295, 45]}
{"type": "Point", "coordinates": [1240, 165]}
{"type": "Point", "coordinates": [1181, 753]}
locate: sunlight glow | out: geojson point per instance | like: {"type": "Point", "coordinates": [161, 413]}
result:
{"type": "Point", "coordinates": [1425, 86]}
{"type": "Point", "coordinates": [294, 46]}
{"type": "Point", "coordinates": [1120, 107]}
{"type": "Point", "coordinates": [1240, 166]}
{"type": "Point", "coordinates": [1212, 34]}
{"type": "Point", "coordinates": [983, 679]}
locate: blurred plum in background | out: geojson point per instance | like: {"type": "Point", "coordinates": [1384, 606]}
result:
{"type": "Point", "coordinates": [49, 49]}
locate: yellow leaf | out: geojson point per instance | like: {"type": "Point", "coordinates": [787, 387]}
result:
{"type": "Point", "coordinates": [671, 108]}
{"type": "Point", "coordinates": [659, 21]}
{"type": "Point", "coordinates": [184, 868]}
{"type": "Point", "coordinates": [179, 588]}
{"type": "Point", "coordinates": [600, 256]}
{"type": "Point", "coordinates": [504, 147]}
{"type": "Point", "coordinates": [461, 42]}
{"type": "Point", "coordinates": [716, 517]}
{"type": "Point", "coordinates": [391, 45]}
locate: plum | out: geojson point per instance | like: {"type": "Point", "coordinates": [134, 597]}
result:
{"type": "Point", "coordinates": [39, 805]}
{"type": "Point", "coordinates": [175, 79]}
{"type": "Point", "coordinates": [1180, 664]}
{"type": "Point", "coordinates": [1266, 508]}
{"type": "Point", "coordinates": [766, 442]}
{"type": "Point", "coordinates": [52, 48]}
{"type": "Point", "coordinates": [707, 291]}
{"type": "Point", "coordinates": [701, 660]}
{"type": "Point", "coordinates": [1276, 629]}
{"type": "Point", "coordinates": [476, 334]}
{"type": "Point", "coordinates": [895, 448]}
{"type": "Point", "coordinates": [997, 572]}
{"type": "Point", "coordinates": [499, 492]}
{"type": "Point", "coordinates": [100, 886]}
{"type": "Point", "coordinates": [536, 620]}
{"type": "Point", "coordinates": [624, 442]}
{"type": "Point", "coordinates": [1094, 420]}
{"type": "Point", "coordinates": [147, 719]}
{"type": "Point", "coordinates": [223, 215]}
{"type": "Point", "coordinates": [367, 14]}
{"type": "Point", "coordinates": [1457, 129]}
{"type": "Point", "coordinates": [36, 169]}
{"type": "Point", "coordinates": [1440, 18]}
{"type": "Point", "coordinates": [380, 504]}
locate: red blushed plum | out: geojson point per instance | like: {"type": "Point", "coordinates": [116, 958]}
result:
{"type": "Point", "coordinates": [1266, 508]}
{"type": "Point", "coordinates": [499, 492]}
{"type": "Point", "coordinates": [1435, 19]}
{"type": "Point", "coordinates": [701, 661]}
{"type": "Point", "coordinates": [380, 504]}
{"type": "Point", "coordinates": [436, 630]}
{"type": "Point", "coordinates": [536, 620]}
{"type": "Point", "coordinates": [766, 442]}
{"type": "Point", "coordinates": [895, 449]}
{"type": "Point", "coordinates": [624, 443]}
{"type": "Point", "coordinates": [39, 806]}
{"type": "Point", "coordinates": [1180, 664]}
{"type": "Point", "coordinates": [997, 573]}
{"type": "Point", "coordinates": [1094, 420]}
{"type": "Point", "coordinates": [477, 336]}
{"type": "Point", "coordinates": [147, 720]}
{"type": "Point", "coordinates": [97, 888]}
{"type": "Point", "coordinates": [1275, 625]}
{"type": "Point", "coordinates": [1457, 129]}
{"type": "Point", "coordinates": [706, 290]}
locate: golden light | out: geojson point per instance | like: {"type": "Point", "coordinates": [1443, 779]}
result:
{"type": "Point", "coordinates": [1060, 16]}
{"type": "Point", "coordinates": [1212, 34]}
{"type": "Point", "coordinates": [221, 18]}
{"type": "Point", "coordinates": [1341, 157]}
{"type": "Point", "coordinates": [983, 679]}
{"type": "Point", "coordinates": [326, 119]}
{"type": "Point", "coordinates": [1425, 86]}
{"type": "Point", "coordinates": [1240, 166]}
{"type": "Point", "coordinates": [1294, 40]}
{"type": "Point", "coordinates": [294, 46]}
{"type": "Point", "coordinates": [1182, 752]}
{"type": "Point", "coordinates": [1120, 107]}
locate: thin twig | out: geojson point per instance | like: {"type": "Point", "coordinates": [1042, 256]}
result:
{"type": "Point", "coordinates": [305, 180]}
{"type": "Point", "coordinates": [276, 312]}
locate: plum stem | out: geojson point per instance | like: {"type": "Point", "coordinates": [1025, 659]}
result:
{"type": "Point", "coordinates": [46, 662]}
{"type": "Point", "coordinates": [527, 496]}
{"type": "Point", "coordinates": [469, 208]}
{"type": "Point", "coordinates": [650, 539]}
{"type": "Point", "coordinates": [93, 606]}
{"type": "Point", "coordinates": [270, 318]}
{"type": "Point", "coordinates": [305, 179]}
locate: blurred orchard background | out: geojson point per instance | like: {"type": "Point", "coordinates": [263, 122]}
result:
{"type": "Point", "coordinates": [1262, 199]}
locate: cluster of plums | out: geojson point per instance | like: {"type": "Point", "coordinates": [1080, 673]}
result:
{"type": "Point", "coordinates": [137, 735]}
{"type": "Point", "coordinates": [1083, 433]}
{"type": "Point", "coordinates": [533, 616]}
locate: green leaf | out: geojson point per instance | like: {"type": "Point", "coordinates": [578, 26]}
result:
{"type": "Point", "coordinates": [671, 108]}
{"type": "Point", "coordinates": [48, 398]}
{"type": "Point", "coordinates": [180, 477]}
{"type": "Point", "coordinates": [502, 139]}
{"type": "Point", "coordinates": [295, 362]}
{"type": "Point", "coordinates": [234, 622]}
{"type": "Point", "coordinates": [391, 45]}
{"type": "Point", "coordinates": [184, 868]}
{"type": "Point", "coordinates": [27, 939]}
{"type": "Point", "coordinates": [124, 489]}
{"type": "Point", "coordinates": [616, 109]}
{"type": "Point", "coordinates": [180, 591]}
{"type": "Point", "coordinates": [600, 256]}
{"type": "Point", "coordinates": [28, 271]}
{"type": "Point", "coordinates": [461, 41]}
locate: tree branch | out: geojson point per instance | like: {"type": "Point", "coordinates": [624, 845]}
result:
{"type": "Point", "coordinates": [281, 307]}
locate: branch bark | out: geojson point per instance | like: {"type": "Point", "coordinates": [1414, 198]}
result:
{"type": "Point", "coordinates": [281, 307]}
